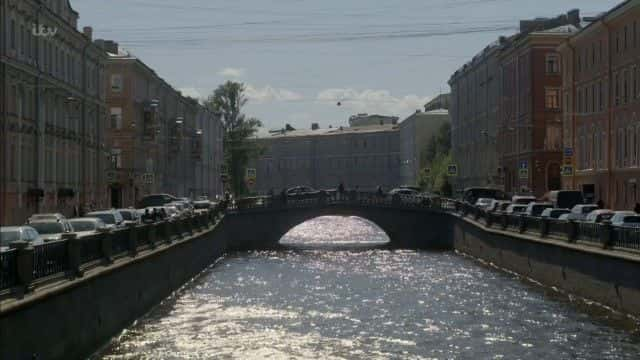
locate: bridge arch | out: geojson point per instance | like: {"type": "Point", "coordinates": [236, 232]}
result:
{"type": "Point", "coordinates": [406, 228]}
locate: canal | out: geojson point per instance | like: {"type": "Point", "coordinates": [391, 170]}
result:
{"type": "Point", "coordinates": [337, 294]}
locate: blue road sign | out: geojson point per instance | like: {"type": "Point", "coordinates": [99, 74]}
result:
{"type": "Point", "coordinates": [568, 152]}
{"type": "Point", "coordinates": [524, 164]}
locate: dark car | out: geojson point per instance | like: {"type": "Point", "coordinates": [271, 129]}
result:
{"type": "Point", "coordinates": [304, 192]}
{"type": "Point", "coordinates": [471, 195]}
{"type": "Point", "coordinates": [156, 200]}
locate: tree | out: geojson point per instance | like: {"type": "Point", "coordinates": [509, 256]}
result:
{"type": "Point", "coordinates": [228, 100]}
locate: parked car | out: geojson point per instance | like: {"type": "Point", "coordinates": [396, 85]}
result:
{"type": "Point", "coordinates": [202, 205]}
{"type": "Point", "coordinates": [155, 200]}
{"type": "Point", "coordinates": [565, 217]}
{"type": "Point", "coordinates": [50, 216]}
{"type": "Point", "coordinates": [516, 209]}
{"type": "Point", "coordinates": [553, 213]}
{"type": "Point", "coordinates": [111, 218]}
{"type": "Point", "coordinates": [130, 216]}
{"type": "Point", "coordinates": [498, 205]}
{"type": "Point", "coordinates": [600, 215]}
{"type": "Point", "coordinates": [471, 195]}
{"type": "Point", "coordinates": [9, 234]}
{"type": "Point", "coordinates": [626, 219]}
{"type": "Point", "coordinates": [580, 211]}
{"type": "Point", "coordinates": [535, 209]}
{"type": "Point", "coordinates": [483, 203]}
{"type": "Point", "coordinates": [87, 226]}
{"type": "Point", "coordinates": [564, 199]}
{"type": "Point", "coordinates": [52, 230]}
{"type": "Point", "coordinates": [523, 199]}
{"type": "Point", "coordinates": [304, 192]}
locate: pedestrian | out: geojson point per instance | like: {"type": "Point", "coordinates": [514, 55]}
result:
{"type": "Point", "coordinates": [283, 196]}
{"type": "Point", "coordinates": [637, 208]}
{"type": "Point", "coordinates": [600, 204]}
{"type": "Point", "coordinates": [341, 191]}
{"type": "Point", "coordinates": [379, 191]}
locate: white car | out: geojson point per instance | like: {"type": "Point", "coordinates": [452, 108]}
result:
{"type": "Point", "coordinates": [600, 215]}
{"type": "Point", "coordinates": [626, 219]}
{"type": "Point", "coordinates": [483, 203]}
{"type": "Point", "coordinates": [43, 217]}
{"type": "Point", "coordinates": [10, 234]}
{"type": "Point", "coordinates": [516, 209]}
{"type": "Point", "coordinates": [580, 211]}
{"type": "Point", "coordinates": [87, 226]}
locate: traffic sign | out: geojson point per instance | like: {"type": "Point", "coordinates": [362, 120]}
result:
{"type": "Point", "coordinates": [147, 178]}
{"type": "Point", "coordinates": [523, 173]}
{"type": "Point", "coordinates": [452, 170]}
{"type": "Point", "coordinates": [568, 152]}
{"type": "Point", "coordinates": [524, 164]}
{"type": "Point", "coordinates": [567, 170]}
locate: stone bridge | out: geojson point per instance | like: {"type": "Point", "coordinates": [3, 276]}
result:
{"type": "Point", "coordinates": [260, 223]}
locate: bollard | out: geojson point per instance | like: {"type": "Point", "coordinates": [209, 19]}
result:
{"type": "Point", "coordinates": [74, 247]}
{"type": "Point", "coordinates": [544, 227]}
{"type": "Point", "coordinates": [606, 234]}
{"type": "Point", "coordinates": [572, 231]}
{"type": "Point", "coordinates": [24, 264]}
{"type": "Point", "coordinates": [133, 238]}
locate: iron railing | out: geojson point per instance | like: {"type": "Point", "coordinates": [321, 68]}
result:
{"type": "Point", "coordinates": [8, 269]}
{"type": "Point", "coordinates": [50, 259]}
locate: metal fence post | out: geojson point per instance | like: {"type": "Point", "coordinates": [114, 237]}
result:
{"type": "Point", "coordinates": [24, 263]}
{"type": "Point", "coordinates": [73, 255]}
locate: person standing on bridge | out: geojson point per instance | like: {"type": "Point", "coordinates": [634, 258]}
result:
{"type": "Point", "coordinates": [340, 191]}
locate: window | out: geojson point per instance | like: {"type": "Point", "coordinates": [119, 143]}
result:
{"type": "Point", "coordinates": [594, 93]}
{"type": "Point", "coordinates": [116, 83]}
{"type": "Point", "coordinates": [116, 118]}
{"type": "Point", "coordinates": [552, 64]}
{"type": "Point", "coordinates": [616, 87]}
{"type": "Point", "coordinates": [552, 99]}
{"type": "Point", "coordinates": [625, 87]}
{"type": "Point", "coordinates": [12, 36]}
{"type": "Point", "coordinates": [116, 158]}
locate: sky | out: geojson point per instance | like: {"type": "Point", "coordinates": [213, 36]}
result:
{"type": "Point", "coordinates": [299, 58]}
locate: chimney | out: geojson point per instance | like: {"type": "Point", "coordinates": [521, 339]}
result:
{"type": "Point", "coordinates": [88, 32]}
{"type": "Point", "coordinates": [574, 17]}
{"type": "Point", "coordinates": [111, 46]}
{"type": "Point", "coordinates": [315, 126]}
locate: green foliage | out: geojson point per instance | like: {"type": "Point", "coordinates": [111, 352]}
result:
{"type": "Point", "coordinates": [436, 157]}
{"type": "Point", "coordinates": [228, 100]}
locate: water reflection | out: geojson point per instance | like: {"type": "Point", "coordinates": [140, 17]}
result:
{"type": "Point", "coordinates": [372, 304]}
{"type": "Point", "coordinates": [335, 232]}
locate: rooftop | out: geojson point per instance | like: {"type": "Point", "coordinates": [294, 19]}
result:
{"type": "Point", "coordinates": [330, 131]}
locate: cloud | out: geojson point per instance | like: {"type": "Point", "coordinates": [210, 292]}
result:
{"type": "Point", "coordinates": [373, 101]}
{"type": "Point", "coordinates": [269, 94]}
{"type": "Point", "coordinates": [191, 92]}
{"type": "Point", "coordinates": [230, 72]}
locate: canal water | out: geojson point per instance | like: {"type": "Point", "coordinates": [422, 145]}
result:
{"type": "Point", "coordinates": [320, 301]}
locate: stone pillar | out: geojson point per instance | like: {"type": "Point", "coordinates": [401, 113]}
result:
{"type": "Point", "coordinates": [489, 218]}
{"type": "Point", "coordinates": [74, 247]}
{"type": "Point", "coordinates": [544, 227]}
{"type": "Point", "coordinates": [106, 241]}
{"type": "Point", "coordinates": [152, 235]}
{"type": "Point", "coordinates": [133, 237]}
{"type": "Point", "coordinates": [607, 234]}
{"type": "Point", "coordinates": [505, 221]}
{"type": "Point", "coordinates": [166, 231]}
{"type": "Point", "coordinates": [522, 224]}
{"type": "Point", "coordinates": [24, 263]}
{"type": "Point", "coordinates": [572, 231]}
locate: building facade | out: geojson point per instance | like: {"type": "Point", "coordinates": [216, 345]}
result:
{"type": "Point", "coordinates": [160, 141]}
{"type": "Point", "coordinates": [369, 120]}
{"type": "Point", "coordinates": [363, 157]}
{"type": "Point", "coordinates": [53, 112]}
{"type": "Point", "coordinates": [474, 101]}
{"type": "Point", "coordinates": [415, 133]}
{"type": "Point", "coordinates": [601, 93]}
{"type": "Point", "coordinates": [530, 128]}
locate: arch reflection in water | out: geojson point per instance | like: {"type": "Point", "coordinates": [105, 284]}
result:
{"type": "Point", "coordinates": [338, 232]}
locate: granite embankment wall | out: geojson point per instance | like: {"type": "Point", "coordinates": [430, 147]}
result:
{"type": "Point", "coordinates": [609, 277]}
{"type": "Point", "coordinates": [70, 319]}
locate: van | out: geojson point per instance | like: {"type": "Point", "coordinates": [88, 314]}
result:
{"type": "Point", "coordinates": [565, 199]}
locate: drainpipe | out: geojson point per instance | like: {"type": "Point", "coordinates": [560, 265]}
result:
{"type": "Point", "coordinates": [611, 102]}
{"type": "Point", "coordinates": [39, 162]}
{"type": "Point", "coordinates": [83, 119]}
{"type": "Point", "coordinates": [3, 106]}
{"type": "Point", "coordinates": [573, 109]}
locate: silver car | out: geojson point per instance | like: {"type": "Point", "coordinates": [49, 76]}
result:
{"type": "Point", "coordinates": [41, 217]}
{"type": "Point", "coordinates": [580, 211]}
{"type": "Point", "coordinates": [112, 218]}
{"type": "Point", "coordinates": [130, 216]}
{"type": "Point", "coordinates": [626, 219]}
{"type": "Point", "coordinates": [10, 234]}
{"type": "Point", "coordinates": [52, 230]}
{"type": "Point", "coordinates": [87, 226]}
